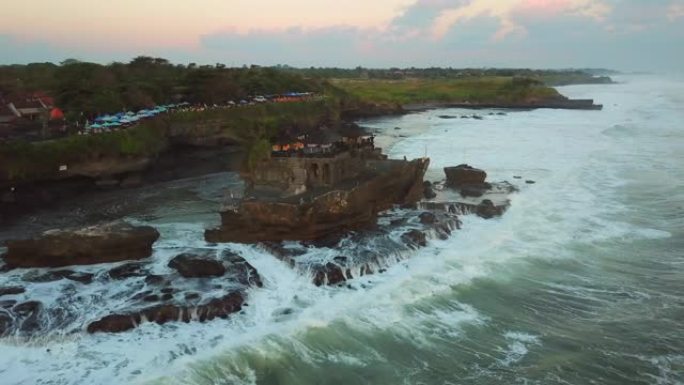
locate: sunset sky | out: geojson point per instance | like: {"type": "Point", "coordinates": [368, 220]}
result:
{"type": "Point", "coordinates": [621, 34]}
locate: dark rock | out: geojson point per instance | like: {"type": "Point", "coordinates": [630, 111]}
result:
{"type": "Point", "coordinates": [245, 273]}
{"type": "Point", "coordinates": [341, 260]}
{"type": "Point", "coordinates": [194, 296]}
{"type": "Point", "coordinates": [447, 117]}
{"type": "Point", "coordinates": [328, 274]}
{"type": "Point", "coordinates": [11, 290]}
{"type": "Point", "coordinates": [52, 276]}
{"type": "Point", "coordinates": [428, 191]}
{"type": "Point", "coordinates": [168, 290]}
{"type": "Point", "coordinates": [197, 266]}
{"type": "Point", "coordinates": [215, 308]}
{"type": "Point", "coordinates": [6, 323]}
{"type": "Point", "coordinates": [84, 278]}
{"type": "Point", "coordinates": [151, 298]}
{"type": "Point", "coordinates": [111, 242]}
{"type": "Point", "coordinates": [478, 117]}
{"type": "Point", "coordinates": [427, 218]}
{"type": "Point", "coordinates": [29, 314]}
{"type": "Point", "coordinates": [414, 238]}
{"type": "Point", "coordinates": [133, 180]}
{"type": "Point", "coordinates": [464, 175]}
{"type": "Point", "coordinates": [398, 222]}
{"type": "Point", "coordinates": [153, 279]}
{"type": "Point", "coordinates": [128, 270]}
{"type": "Point", "coordinates": [6, 304]}
{"type": "Point", "coordinates": [474, 191]}
{"type": "Point", "coordinates": [115, 323]}
{"type": "Point", "coordinates": [517, 177]}
{"type": "Point", "coordinates": [167, 297]}
{"type": "Point", "coordinates": [488, 210]}
{"type": "Point", "coordinates": [141, 295]}
{"type": "Point", "coordinates": [397, 128]}
{"type": "Point", "coordinates": [530, 182]}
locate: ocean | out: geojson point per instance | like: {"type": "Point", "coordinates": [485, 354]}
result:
{"type": "Point", "coordinates": [580, 282]}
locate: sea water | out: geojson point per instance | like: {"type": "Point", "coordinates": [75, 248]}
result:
{"type": "Point", "coordinates": [580, 282]}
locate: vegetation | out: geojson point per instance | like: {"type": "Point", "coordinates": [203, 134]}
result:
{"type": "Point", "coordinates": [22, 160]}
{"type": "Point", "coordinates": [548, 77]}
{"type": "Point", "coordinates": [474, 90]}
{"type": "Point", "coordinates": [84, 90]}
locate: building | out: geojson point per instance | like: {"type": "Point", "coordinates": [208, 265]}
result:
{"type": "Point", "coordinates": [317, 160]}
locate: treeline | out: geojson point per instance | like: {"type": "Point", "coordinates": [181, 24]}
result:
{"type": "Point", "coordinates": [548, 77]}
{"type": "Point", "coordinates": [87, 89]}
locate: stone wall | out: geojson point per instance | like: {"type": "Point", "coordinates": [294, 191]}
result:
{"type": "Point", "coordinates": [295, 175]}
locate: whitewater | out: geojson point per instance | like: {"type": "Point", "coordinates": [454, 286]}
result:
{"type": "Point", "coordinates": [581, 281]}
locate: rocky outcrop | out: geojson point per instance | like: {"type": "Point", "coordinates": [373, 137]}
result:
{"type": "Point", "coordinates": [464, 175]}
{"type": "Point", "coordinates": [174, 306]}
{"type": "Point", "coordinates": [110, 242]}
{"type": "Point", "coordinates": [52, 276]}
{"type": "Point", "coordinates": [220, 307]}
{"type": "Point", "coordinates": [197, 266]}
{"type": "Point", "coordinates": [351, 207]}
{"type": "Point", "coordinates": [414, 238]}
{"type": "Point", "coordinates": [11, 290]}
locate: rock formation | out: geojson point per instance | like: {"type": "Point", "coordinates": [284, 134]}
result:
{"type": "Point", "coordinates": [112, 242]}
{"type": "Point", "coordinates": [353, 205]}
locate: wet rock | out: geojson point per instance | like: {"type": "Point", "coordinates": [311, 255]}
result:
{"type": "Point", "coordinates": [447, 117]}
{"type": "Point", "coordinates": [488, 210]}
{"type": "Point", "coordinates": [428, 191]}
{"type": "Point", "coordinates": [477, 117]}
{"type": "Point", "coordinates": [6, 323]}
{"type": "Point", "coordinates": [128, 270]}
{"type": "Point", "coordinates": [133, 180]}
{"type": "Point", "coordinates": [517, 177]}
{"type": "Point", "coordinates": [52, 276]}
{"type": "Point", "coordinates": [197, 265]}
{"type": "Point", "coordinates": [243, 272]}
{"type": "Point", "coordinates": [115, 323]}
{"type": "Point", "coordinates": [29, 314]}
{"type": "Point", "coordinates": [194, 296]}
{"type": "Point", "coordinates": [328, 274]}
{"type": "Point", "coordinates": [414, 238]}
{"type": "Point", "coordinates": [341, 260]}
{"type": "Point", "coordinates": [427, 218]}
{"type": "Point", "coordinates": [474, 191]}
{"type": "Point", "coordinates": [167, 297]}
{"type": "Point", "coordinates": [142, 295]}
{"type": "Point", "coordinates": [151, 298]}
{"type": "Point", "coordinates": [464, 175]}
{"type": "Point", "coordinates": [530, 182]}
{"type": "Point", "coordinates": [157, 280]}
{"type": "Point", "coordinates": [215, 308]}
{"type": "Point", "coordinates": [168, 290]}
{"type": "Point", "coordinates": [11, 290]}
{"type": "Point", "coordinates": [397, 128]}
{"type": "Point", "coordinates": [6, 304]}
{"type": "Point", "coordinates": [112, 242]}
{"type": "Point", "coordinates": [398, 222]}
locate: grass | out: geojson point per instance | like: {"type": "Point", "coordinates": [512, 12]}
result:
{"type": "Point", "coordinates": [474, 90]}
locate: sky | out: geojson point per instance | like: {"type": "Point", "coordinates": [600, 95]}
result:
{"type": "Point", "coordinates": [631, 35]}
